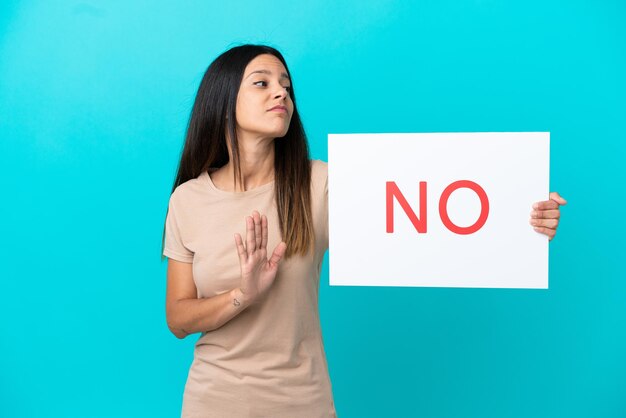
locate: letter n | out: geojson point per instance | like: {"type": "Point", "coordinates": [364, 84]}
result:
{"type": "Point", "coordinates": [394, 191]}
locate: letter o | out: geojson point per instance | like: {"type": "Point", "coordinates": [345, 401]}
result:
{"type": "Point", "coordinates": [484, 207]}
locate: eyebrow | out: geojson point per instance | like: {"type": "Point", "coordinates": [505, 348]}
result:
{"type": "Point", "coordinates": [268, 72]}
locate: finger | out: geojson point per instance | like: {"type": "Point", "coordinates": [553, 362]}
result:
{"type": "Point", "coordinates": [548, 223]}
{"type": "Point", "coordinates": [257, 229]}
{"type": "Point", "coordinates": [556, 197]}
{"type": "Point", "coordinates": [278, 254]}
{"type": "Point", "coordinates": [546, 214]}
{"type": "Point", "coordinates": [546, 204]}
{"type": "Point", "coordinates": [250, 240]}
{"type": "Point", "coordinates": [264, 231]}
{"type": "Point", "coordinates": [546, 231]}
{"type": "Point", "coordinates": [241, 251]}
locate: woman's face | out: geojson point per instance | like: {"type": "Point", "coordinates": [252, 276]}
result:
{"type": "Point", "coordinates": [264, 106]}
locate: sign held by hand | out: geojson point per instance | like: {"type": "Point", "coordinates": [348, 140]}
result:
{"type": "Point", "coordinates": [437, 209]}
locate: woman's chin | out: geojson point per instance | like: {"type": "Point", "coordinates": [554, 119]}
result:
{"type": "Point", "coordinates": [278, 133]}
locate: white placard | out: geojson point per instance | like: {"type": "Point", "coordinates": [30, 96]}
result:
{"type": "Point", "coordinates": [435, 245]}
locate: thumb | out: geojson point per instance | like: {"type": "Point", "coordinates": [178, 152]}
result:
{"type": "Point", "coordinates": [278, 254]}
{"type": "Point", "coordinates": [558, 199]}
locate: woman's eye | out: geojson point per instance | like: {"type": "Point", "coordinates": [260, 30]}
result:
{"type": "Point", "coordinates": [264, 84]}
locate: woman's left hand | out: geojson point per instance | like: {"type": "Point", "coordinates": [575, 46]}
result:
{"type": "Point", "coordinates": [545, 215]}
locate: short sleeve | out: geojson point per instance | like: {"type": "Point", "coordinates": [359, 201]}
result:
{"type": "Point", "coordinates": [174, 247]}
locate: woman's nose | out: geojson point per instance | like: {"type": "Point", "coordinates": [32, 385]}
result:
{"type": "Point", "coordinates": [282, 93]}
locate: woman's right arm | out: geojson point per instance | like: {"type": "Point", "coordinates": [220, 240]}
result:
{"type": "Point", "coordinates": [186, 314]}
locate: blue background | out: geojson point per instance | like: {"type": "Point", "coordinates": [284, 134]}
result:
{"type": "Point", "coordinates": [94, 100]}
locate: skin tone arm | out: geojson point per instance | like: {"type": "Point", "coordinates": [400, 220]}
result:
{"type": "Point", "coordinates": [187, 314]}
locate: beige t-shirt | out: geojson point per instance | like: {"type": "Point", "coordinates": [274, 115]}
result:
{"type": "Point", "coordinates": [269, 360]}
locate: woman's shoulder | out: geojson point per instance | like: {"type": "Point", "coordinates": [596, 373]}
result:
{"type": "Point", "coordinates": [319, 168]}
{"type": "Point", "coordinates": [319, 176]}
{"type": "Point", "coordinates": [190, 188]}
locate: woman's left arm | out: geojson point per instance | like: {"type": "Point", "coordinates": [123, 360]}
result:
{"type": "Point", "coordinates": [545, 215]}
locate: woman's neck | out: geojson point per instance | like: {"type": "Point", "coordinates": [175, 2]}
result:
{"type": "Point", "coordinates": [257, 167]}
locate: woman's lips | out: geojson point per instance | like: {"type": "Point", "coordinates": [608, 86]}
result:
{"type": "Point", "coordinates": [280, 109]}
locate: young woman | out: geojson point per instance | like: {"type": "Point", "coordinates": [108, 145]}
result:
{"type": "Point", "coordinates": [245, 172]}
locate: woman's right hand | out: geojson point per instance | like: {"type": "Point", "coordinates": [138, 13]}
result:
{"type": "Point", "coordinates": [257, 272]}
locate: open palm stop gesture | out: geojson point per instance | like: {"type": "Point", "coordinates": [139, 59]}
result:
{"type": "Point", "coordinates": [257, 272]}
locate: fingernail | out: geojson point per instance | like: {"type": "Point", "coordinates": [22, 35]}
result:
{"type": "Point", "coordinates": [535, 206]}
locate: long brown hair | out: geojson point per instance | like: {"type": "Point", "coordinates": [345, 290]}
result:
{"type": "Point", "coordinates": [205, 145]}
